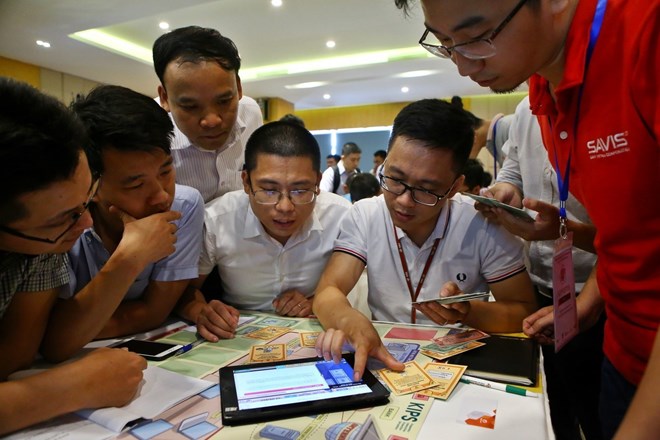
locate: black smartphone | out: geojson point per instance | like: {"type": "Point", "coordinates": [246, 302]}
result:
{"type": "Point", "coordinates": [150, 350]}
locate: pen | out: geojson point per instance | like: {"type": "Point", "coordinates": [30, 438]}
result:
{"type": "Point", "coordinates": [190, 346]}
{"type": "Point", "coordinates": [498, 386]}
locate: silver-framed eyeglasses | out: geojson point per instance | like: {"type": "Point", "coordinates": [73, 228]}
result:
{"type": "Point", "coordinates": [419, 195]}
{"type": "Point", "coordinates": [73, 220]}
{"type": "Point", "coordinates": [477, 49]}
{"type": "Point", "coordinates": [273, 197]}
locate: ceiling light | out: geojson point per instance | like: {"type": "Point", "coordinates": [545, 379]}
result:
{"type": "Point", "coordinates": [306, 85]}
{"type": "Point", "coordinates": [276, 3]}
{"type": "Point", "coordinates": [164, 25]}
{"type": "Point", "coordinates": [405, 89]}
{"type": "Point", "coordinates": [417, 73]}
{"type": "Point", "coordinates": [326, 96]}
{"type": "Point", "coordinates": [45, 44]}
{"type": "Point", "coordinates": [118, 45]}
{"type": "Point", "coordinates": [330, 44]}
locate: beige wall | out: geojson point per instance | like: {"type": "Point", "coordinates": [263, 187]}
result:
{"type": "Point", "coordinates": [60, 85]}
{"type": "Point", "coordinates": [483, 106]}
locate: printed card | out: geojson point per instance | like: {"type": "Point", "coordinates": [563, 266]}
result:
{"type": "Point", "coordinates": [446, 376]}
{"type": "Point", "coordinates": [439, 353]}
{"type": "Point", "coordinates": [308, 339]}
{"type": "Point", "coordinates": [268, 333]}
{"type": "Point", "coordinates": [457, 336]}
{"type": "Point", "coordinates": [267, 353]}
{"type": "Point", "coordinates": [412, 378]}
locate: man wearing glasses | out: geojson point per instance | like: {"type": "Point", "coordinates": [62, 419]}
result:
{"type": "Point", "coordinates": [46, 189]}
{"type": "Point", "coordinates": [271, 241]}
{"type": "Point", "coordinates": [593, 72]}
{"type": "Point", "coordinates": [421, 240]}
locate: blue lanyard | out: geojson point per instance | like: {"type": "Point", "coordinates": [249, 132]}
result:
{"type": "Point", "coordinates": [495, 149]}
{"type": "Point", "coordinates": [562, 182]}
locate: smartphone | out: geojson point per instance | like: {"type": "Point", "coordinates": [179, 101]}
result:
{"type": "Point", "coordinates": [150, 350]}
{"type": "Point", "coordinates": [455, 298]}
{"type": "Point", "coordinates": [517, 212]}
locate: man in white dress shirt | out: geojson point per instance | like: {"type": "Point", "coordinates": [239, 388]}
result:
{"type": "Point", "coordinates": [270, 241]}
{"type": "Point", "coordinates": [334, 178]}
{"type": "Point", "coordinates": [200, 87]}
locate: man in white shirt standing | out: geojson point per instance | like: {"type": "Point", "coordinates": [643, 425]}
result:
{"type": "Point", "coordinates": [200, 87]}
{"type": "Point", "coordinates": [334, 178]}
{"type": "Point", "coordinates": [271, 240]}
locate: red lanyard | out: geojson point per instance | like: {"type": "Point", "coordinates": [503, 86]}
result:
{"type": "Point", "coordinates": [406, 273]}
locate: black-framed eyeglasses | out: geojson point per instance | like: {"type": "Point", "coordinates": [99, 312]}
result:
{"type": "Point", "coordinates": [419, 195]}
{"type": "Point", "coordinates": [273, 197]}
{"type": "Point", "coordinates": [478, 49]}
{"type": "Point", "coordinates": [73, 220]}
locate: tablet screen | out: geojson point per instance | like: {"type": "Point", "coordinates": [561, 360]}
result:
{"type": "Point", "coordinates": [261, 387]}
{"type": "Point", "coordinates": [285, 389]}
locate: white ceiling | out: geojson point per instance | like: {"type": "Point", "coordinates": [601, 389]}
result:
{"type": "Point", "coordinates": [265, 35]}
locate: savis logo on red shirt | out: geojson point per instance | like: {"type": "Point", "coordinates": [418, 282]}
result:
{"type": "Point", "coordinates": [608, 146]}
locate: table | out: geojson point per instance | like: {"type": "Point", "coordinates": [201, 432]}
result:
{"type": "Point", "coordinates": [405, 417]}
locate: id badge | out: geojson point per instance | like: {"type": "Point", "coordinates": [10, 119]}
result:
{"type": "Point", "coordinates": [563, 292]}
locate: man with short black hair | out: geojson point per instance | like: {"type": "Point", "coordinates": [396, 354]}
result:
{"type": "Point", "coordinates": [422, 231]}
{"type": "Point", "coordinates": [201, 88]}
{"type": "Point", "coordinates": [130, 152]}
{"type": "Point", "coordinates": [334, 179]}
{"type": "Point", "coordinates": [271, 241]}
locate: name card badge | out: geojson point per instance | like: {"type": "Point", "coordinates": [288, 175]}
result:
{"type": "Point", "coordinates": [563, 289]}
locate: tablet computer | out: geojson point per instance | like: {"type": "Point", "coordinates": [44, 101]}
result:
{"type": "Point", "coordinates": [279, 390]}
{"type": "Point", "coordinates": [517, 212]}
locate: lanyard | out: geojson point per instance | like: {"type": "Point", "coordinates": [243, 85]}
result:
{"type": "Point", "coordinates": [406, 273]}
{"type": "Point", "coordinates": [562, 182]}
{"type": "Point", "coordinates": [495, 149]}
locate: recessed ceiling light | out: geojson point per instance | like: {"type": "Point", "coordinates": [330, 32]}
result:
{"type": "Point", "coordinates": [330, 44]}
{"type": "Point", "coordinates": [326, 96]}
{"type": "Point", "coordinates": [405, 89]}
{"type": "Point", "coordinates": [164, 25]}
{"type": "Point", "coordinates": [417, 73]}
{"type": "Point", "coordinates": [306, 85]}
{"type": "Point", "coordinates": [276, 3]}
{"type": "Point", "coordinates": [45, 44]}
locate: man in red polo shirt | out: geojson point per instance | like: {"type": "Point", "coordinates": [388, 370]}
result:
{"type": "Point", "coordinates": [594, 87]}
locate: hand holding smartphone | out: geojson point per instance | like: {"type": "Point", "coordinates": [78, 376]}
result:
{"type": "Point", "coordinates": [455, 298]}
{"type": "Point", "coordinates": [517, 212]}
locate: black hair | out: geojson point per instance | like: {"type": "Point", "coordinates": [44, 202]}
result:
{"type": "Point", "coordinates": [381, 153]}
{"type": "Point", "coordinates": [337, 157]}
{"type": "Point", "coordinates": [120, 118]}
{"type": "Point", "coordinates": [457, 101]}
{"type": "Point", "coordinates": [293, 118]}
{"type": "Point", "coordinates": [40, 144]}
{"type": "Point", "coordinates": [475, 175]}
{"type": "Point", "coordinates": [194, 44]}
{"type": "Point", "coordinates": [350, 148]}
{"type": "Point", "coordinates": [439, 125]}
{"type": "Point", "coordinates": [284, 139]}
{"type": "Point", "coordinates": [362, 186]}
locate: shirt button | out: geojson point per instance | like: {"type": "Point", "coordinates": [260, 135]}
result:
{"type": "Point", "coordinates": [563, 135]}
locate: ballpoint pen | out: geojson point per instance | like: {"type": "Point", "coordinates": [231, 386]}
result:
{"type": "Point", "coordinates": [190, 346]}
{"type": "Point", "coordinates": [498, 386]}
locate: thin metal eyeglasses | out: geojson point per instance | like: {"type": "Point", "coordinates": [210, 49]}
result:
{"type": "Point", "coordinates": [419, 195]}
{"type": "Point", "coordinates": [273, 197]}
{"type": "Point", "coordinates": [74, 220]}
{"type": "Point", "coordinates": [477, 49]}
